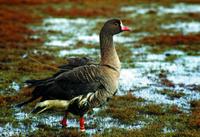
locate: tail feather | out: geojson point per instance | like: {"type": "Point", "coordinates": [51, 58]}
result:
{"type": "Point", "coordinates": [34, 83]}
{"type": "Point", "coordinates": [37, 92]}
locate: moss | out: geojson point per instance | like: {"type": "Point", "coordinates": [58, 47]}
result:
{"type": "Point", "coordinates": [78, 11]}
{"type": "Point", "coordinates": [125, 55]}
{"type": "Point", "coordinates": [174, 121]}
{"type": "Point", "coordinates": [171, 40]}
{"type": "Point", "coordinates": [163, 79]}
{"type": "Point", "coordinates": [185, 133]}
{"type": "Point", "coordinates": [115, 132]}
{"type": "Point", "coordinates": [174, 110]}
{"type": "Point", "coordinates": [6, 115]}
{"type": "Point", "coordinates": [187, 43]}
{"type": "Point", "coordinates": [172, 94]}
{"type": "Point", "coordinates": [117, 110]}
{"type": "Point", "coordinates": [171, 58]}
{"type": "Point", "coordinates": [157, 116]}
{"type": "Point", "coordinates": [54, 132]}
{"type": "Point", "coordinates": [194, 120]}
{"type": "Point", "coordinates": [137, 110]}
{"type": "Point", "coordinates": [152, 109]}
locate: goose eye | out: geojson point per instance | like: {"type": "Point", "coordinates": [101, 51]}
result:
{"type": "Point", "coordinates": [116, 24]}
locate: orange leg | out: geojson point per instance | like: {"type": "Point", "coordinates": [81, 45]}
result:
{"type": "Point", "coordinates": [63, 122]}
{"type": "Point", "coordinates": [82, 124]}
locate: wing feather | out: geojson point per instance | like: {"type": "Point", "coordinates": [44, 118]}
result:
{"type": "Point", "coordinates": [79, 81]}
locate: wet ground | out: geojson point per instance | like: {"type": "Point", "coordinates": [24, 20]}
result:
{"type": "Point", "coordinates": [159, 88]}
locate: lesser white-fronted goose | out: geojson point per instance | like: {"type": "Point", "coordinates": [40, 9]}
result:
{"type": "Point", "coordinates": [81, 85]}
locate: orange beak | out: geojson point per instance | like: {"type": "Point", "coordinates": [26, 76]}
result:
{"type": "Point", "coordinates": [125, 28]}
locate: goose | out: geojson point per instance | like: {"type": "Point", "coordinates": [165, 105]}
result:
{"type": "Point", "coordinates": [81, 85]}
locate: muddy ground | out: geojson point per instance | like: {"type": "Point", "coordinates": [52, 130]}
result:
{"type": "Point", "coordinates": [159, 92]}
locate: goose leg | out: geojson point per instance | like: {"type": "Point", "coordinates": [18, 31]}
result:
{"type": "Point", "coordinates": [63, 122]}
{"type": "Point", "coordinates": [82, 124]}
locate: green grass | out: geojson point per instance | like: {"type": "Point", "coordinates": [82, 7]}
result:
{"type": "Point", "coordinates": [171, 58]}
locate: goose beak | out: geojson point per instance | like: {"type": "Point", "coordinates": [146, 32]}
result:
{"type": "Point", "coordinates": [124, 28]}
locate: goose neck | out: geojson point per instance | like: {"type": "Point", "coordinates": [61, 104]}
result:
{"type": "Point", "coordinates": [108, 52]}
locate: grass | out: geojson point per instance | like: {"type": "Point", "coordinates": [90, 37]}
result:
{"type": "Point", "coordinates": [171, 58]}
{"type": "Point", "coordinates": [159, 118]}
{"type": "Point", "coordinates": [122, 108]}
{"type": "Point", "coordinates": [151, 131]}
{"type": "Point", "coordinates": [125, 54]}
{"type": "Point", "coordinates": [172, 94]}
{"type": "Point", "coordinates": [163, 79]}
{"type": "Point", "coordinates": [115, 132]}
{"type": "Point", "coordinates": [194, 120]}
{"type": "Point", "coordinates": [175, 122]}
{"type": "Point", "coordinates": [159, 44]}
{"type": "Point", "coordinates": [52, 132]}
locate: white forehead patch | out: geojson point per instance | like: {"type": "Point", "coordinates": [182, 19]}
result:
{"type": "Point", "coordinates": [121, 24]}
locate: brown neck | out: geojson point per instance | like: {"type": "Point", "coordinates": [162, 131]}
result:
{"type": "Point", "coordinates": [108, 52]}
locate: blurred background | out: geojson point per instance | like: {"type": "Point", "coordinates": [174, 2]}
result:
{"type": "Point", "coordinates": [160, 78]}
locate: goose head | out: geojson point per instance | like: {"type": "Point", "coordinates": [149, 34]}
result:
{"type": "Point", "coordinates": [114, 26]}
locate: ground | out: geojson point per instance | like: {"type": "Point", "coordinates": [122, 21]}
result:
{"type": "Point", "coordinates": [159, 92]}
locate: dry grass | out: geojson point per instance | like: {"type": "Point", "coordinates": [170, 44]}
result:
{"type": "Point", "coordinates": [30, 2]}
{"type": "Point", "coordinates": [194, 120]}
{"type": "Point", "coordinates": [13, 30]}
{"type": "Point", "coordinates": [172, 40]}
{"type": "Point", "coordinates": [123, 108]}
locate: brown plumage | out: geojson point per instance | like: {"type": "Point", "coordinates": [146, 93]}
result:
{"type": "Point", "coordinates": [78, 87]}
